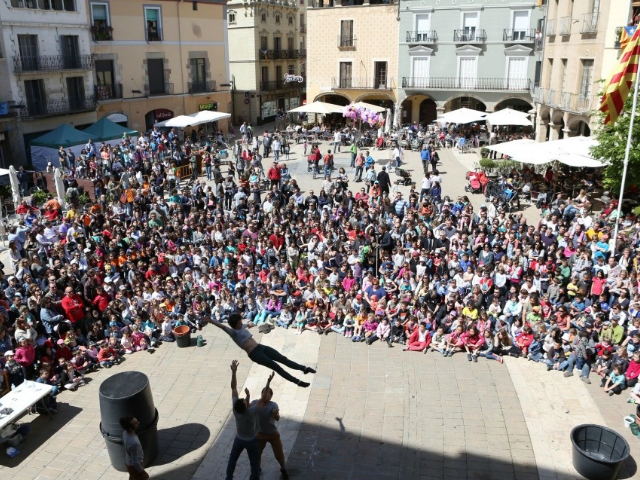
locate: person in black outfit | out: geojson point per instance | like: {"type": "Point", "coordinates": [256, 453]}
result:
{"type": "Point", "coordinates": [384, 181]}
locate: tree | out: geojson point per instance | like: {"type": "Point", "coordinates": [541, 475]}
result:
{"type": "Point", "coordinates": [613, 141]}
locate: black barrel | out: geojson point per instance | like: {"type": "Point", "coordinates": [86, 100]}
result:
{"type": "Point", "coordinates": [598, 452]}
{"type": "Point", "coordinates": [128, 393]}
{"type": "Point", "coordinates": [148, 439]}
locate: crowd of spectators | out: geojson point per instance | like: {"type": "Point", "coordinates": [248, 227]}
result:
{"type": "Point", "coordinates": [115, 276]}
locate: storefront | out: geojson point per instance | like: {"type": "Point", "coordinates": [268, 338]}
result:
{"type": "Point", "coordinates": [157, 115]}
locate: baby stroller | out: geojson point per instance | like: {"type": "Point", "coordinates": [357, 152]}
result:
{"type": "Point", "coordinates": [477, 182]}
{"type": "Point", "coordinates": [404, 177]}
{"type": "Point", "coordinates": [380, 143]}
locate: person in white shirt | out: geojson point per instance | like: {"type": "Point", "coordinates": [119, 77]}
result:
{"type": "Point", "coordinates": [425, 187]}
{"type": "Point", "coordinates": [337, 139]}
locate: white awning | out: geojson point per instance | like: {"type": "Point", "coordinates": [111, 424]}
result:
{"type": "Point", "coordinates": [508, 116]}
{"type": "Point", "coordinates": [462, 116]}
{"type": "Point", "coordinates": [318, 107]}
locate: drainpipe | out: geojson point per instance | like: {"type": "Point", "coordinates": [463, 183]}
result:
{"type": "Point", "coordinates": [184, 106]}
{"type": "Point", "coordinates": [398, 16]}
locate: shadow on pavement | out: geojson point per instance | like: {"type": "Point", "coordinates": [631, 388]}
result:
{"type": "Point", "coordinates": [176, 442]}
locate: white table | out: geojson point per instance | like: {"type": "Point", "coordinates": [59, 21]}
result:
{"type": "Point", "coordinates": [22, 398]}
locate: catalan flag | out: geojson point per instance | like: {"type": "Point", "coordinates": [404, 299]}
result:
{"type": "Point", "coordinates": [617, 88]}
{"type": "Point", "coordinates": [625, 36]}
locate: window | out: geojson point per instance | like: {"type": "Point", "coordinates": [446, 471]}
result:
{"type": "Point", "coordinates": [264, 74]}
{"type": "Point", "coordinates": [563, 88]}
{"type": "Point", "coordinates": [70, 51]}
{"type": "Point", "coordinates": [28, 47]}
{"type": "Point", "coordinates": [105, 87]}
{"type": "Point", "coordinates": [420, 70]}
{"type": "Point", "coordinates": [550, 79]}
{"type": "Point", "coordinates": [468, 72]}
{"type": "Point", "coordinates": [586, 84]}
{"type": "Point", "coordinates": [380, 72]}
{"type": "Point", "coordinates": [520, 24]}
{"type": "Point", "coordinates": [469, 26]}
{"type": "Point", "coordinates": [75, 93]}
{"type": "Point", "coordinates": [194, 6]}
{"type": "Point", "coordinates": [291, 69]}
{"type": "Point", "coordinates": [277, 18]}
{"type": "Point", "coordinates": [263, 17]}
{"type": "Point", "coordinates": [346, 33]}
{"type": "Point", "coordinates": [153, 23]}
{"type": "Point", "coordinates": [517, 73]}
{"type": "Point", "coordinates": [264, 44]}
{"type": "Point", "coordinates": [290, 19]}
{"type": "Point", "coordinates": [423, 25]}
{"type": "Point", "coordinates": [277, 44]}
{"type": "Point", "coordinates": [290, 47]}
{"type": "Point", "coordinates": [35, 96]}
{"type": "Point", "coordinates": [302, 20]}
{"type": "Point", "coordinates": [100, 26]}
{"type": "Point", "coordinates": [346, 69]}
{"type": "Point", "coordinates": [232, 16]}
{"type": "Point", "coordinates": [155, 72]}
{"type": "Point", "coordinates": [58, 5]}
{"type": "Point", "coordinates": [279, 75]}
{"type": "Point", "coordinates": [198, 75]}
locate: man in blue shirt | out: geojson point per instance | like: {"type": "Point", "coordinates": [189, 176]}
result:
{"type": "Point", "coordinates": [368, 161]}
{"type": "Point", "coordinates": [425, 156]}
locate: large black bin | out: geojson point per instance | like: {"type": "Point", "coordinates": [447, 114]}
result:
{"type": "Point", "coordinates": [128, 393]}
{"type": "Point", "coordinates": [148, 439]}
{"type": "Point", "coordinates": [598, 452]}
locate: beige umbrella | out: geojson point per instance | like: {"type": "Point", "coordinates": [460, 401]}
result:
{"type": "Point", "coordinates": [322, 108]}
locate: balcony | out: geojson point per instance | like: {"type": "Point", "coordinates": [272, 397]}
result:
{"type": "Point", "coordinates": [589, 23]}
{"type": "Point", "coordinates": [565, 26]}
{"type": "Point", "coordinates": [428, 37]}
{"type": "Point", "coordinates": [278, 54]}
{"type": "Point", "coordinates": [64, 106]}
{"type": "Point", "coordinates": [571, 102]}
{"type": "Point", "coordinates": [51, 63]}
{"type": "Point", "coordinates": [519, 36]}
{"type": "Point", "coordinates": [153, 34]}
{"type": "Point", "coordinates": [102, 34]}
{"type": "Point", "coordinates": [453, 83]}
{"type": "Point", "coordinates": [346, 42]}
{"type": "Point", "coordinates": [168, 90]}
{"type": "Point", "coordinates": [270, 86]}
{"type": "Point", "coordinates": [353, 83]}
{"type": "Point", "coordinates": [551, 27]}
{"type": "Point", "coordinates": [303, 53]}
{"type": "Point", "coordinates": [618, 37]}
{"type": "Point", "coordinates": [202, 87]}
{"type": "Point", "coordinates": [469, 36]}
{"type": "Point", "coordinates": [108, 92]}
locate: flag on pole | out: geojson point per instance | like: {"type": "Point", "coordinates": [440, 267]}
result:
{"type": "Point", "coordinates": [625, 36]}
{"type": "Point", "coordinates": [617, 88]}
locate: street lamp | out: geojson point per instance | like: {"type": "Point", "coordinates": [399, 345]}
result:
{"type": "Point", "coordinates": [232, 84]}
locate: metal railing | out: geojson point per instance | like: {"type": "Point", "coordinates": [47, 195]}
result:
{"type": "Point", "coordinates": [572, 102]}
{"type": "Point", "coordinates": [428, 36]}
{"type": "Point", "coordinates": [108, 92]}
{"type": "Point", "coordinates": [168, 90]}
{"type": "Point", "coordinates": [303, 53]}
{"type": "Point", "coordinates": [271, 85]}
{"type": "Point", "coordinates": [202, 87]}
{"type": "Point", "coordinates": [102, 34]}
{"type": "Point", "coordinates": [618, 37]}
{"type": "Point", "coordinates": [278, 54]}
{"type": "Point", "coordinates": [356, 83]}
{"type": "Point", "coordinates": [153, 34]}
{"type": "Point", "coordinates": [538, 45]}
{"type": "Point", "coordinates": [59, 106]}
{"type": "Point", "coordinates": [469, 36]}
{"type": "Point", "coordinates": [346, 42]}
{"type": "Point", "coordinates": [565, 26]}
{"type": "Point", "coordinates": [511, 35]}
{"type": "Point", "coordinates": [551, 27]}
{"type": "Point", "coordinates": [454, 83]}
{"type": "Point", "coordinates": [589, 23]}
{"type": "Point", "coordinates": [48, 63]}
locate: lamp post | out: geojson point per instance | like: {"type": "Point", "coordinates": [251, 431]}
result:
{"type": "Point", "coordinates": [232, 84]}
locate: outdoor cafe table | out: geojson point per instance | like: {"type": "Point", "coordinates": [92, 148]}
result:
{"type": "Point", "coordinates": [21, 399]}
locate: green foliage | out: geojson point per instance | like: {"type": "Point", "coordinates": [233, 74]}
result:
{"type": "Point", "coordinates": [487, 164]}
{"type": "Point", "coordinates": [613, 140]}
{"type": "Point", "coordinates": [484, 152]}
{"type": "Point", "coordinates": [84, 199]}
{"type": "Point", "coordinates": [5, 191]}
{"type": "Point", "coordinates": [40, 197]}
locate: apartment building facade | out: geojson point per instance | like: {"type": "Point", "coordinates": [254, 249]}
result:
{"type": "Point", "coordinates": [267, 57]}
{"type": "Point", "coordinates": [581, 48]}
{"type": "Point", "coordinates": [480, 55]}
{"type": "Point", "coordinates": [153, 60]}
{"type": "Point", "coordinates": [353, 48]}
{"type": "Point", "coordinates": [45, 72]}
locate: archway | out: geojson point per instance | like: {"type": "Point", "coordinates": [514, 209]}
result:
{"type": "Point", "coordinates": [428, 112]}
{"type": "Point", "coordinates": [157, 115]}
{"type": "Point", "coordinates": [581, 128]}
{"type": "Point", "coordinates": [515, 104]}
{"type": "Point", "coordinates": [334, 99]}
{"type": "Point", "coordinates": [556, 132]}
{"type": "Point", "coordinates": [465, 102]}
{"type": "Point", "coordinates": [407, 111]}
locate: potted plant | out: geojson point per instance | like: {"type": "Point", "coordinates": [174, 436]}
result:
{"type": "Point", "coordinates": [487, 164]}
{"type": "Point", "coordinates": [484, 152]}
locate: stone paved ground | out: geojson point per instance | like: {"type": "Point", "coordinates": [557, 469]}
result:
{"type": "Point", "coordinates": [371, 412]}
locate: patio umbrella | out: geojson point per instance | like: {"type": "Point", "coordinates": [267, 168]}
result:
{"type": "Point", "coordinates": [462, 115]}
{"type": "Point", "coordinates": [181, 121]}
{"type": "Point", "coordinates": [318, 107]}
{"type": "Point", "coordinates": [578, 160]}
{"type": "Point", "coordinates": [369, 106]}
{"type": "Point", "coordinates": [387, 125]}
{"type": "Point", "coordinates": [15, 186]}
{"type": "Point", "coordinates": [508, 116]}
{"type": "Point", "coordinates": [60, 190]}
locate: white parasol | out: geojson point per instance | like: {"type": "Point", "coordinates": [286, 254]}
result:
{"type": "Point", "coordinates": [60, 190]}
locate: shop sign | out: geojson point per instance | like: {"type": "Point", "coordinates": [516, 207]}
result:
{"type": "Point", "coordinates": [208, 106]}
{"type": "Point", "coordinates": [161, 114]}
{"type": "Point", "coordinates": [288, 78]}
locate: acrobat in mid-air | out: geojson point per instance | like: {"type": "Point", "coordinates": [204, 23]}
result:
{"type": "Point", "coordinates": [261, 354]}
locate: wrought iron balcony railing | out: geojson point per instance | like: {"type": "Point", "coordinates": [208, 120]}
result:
{"type": "Point", "coordinates": [521, 36]}
{"type": "Point", "coordinates": [356, 83]}
{"type": "Point", "coordinates": [49, 63]}
{"type": "Point", "coordinates": [202, 87]}
{"type": "Point", "coordinates": [565, 26]}
{"type": "Point", "coordinates": [108, 92]}
{"type": "Point", "coordinates": [347, 42]}
{"type": "Point", "coordinates": [424, 37]}
{"type": "Point", "coordinates": [469, 36]}
{"type": "Point", "coordinates": [102, 34]}
{"type": "Point", "coordinates": [168, 90]}
{"type": "Point", "coordinates": [278, 54]}
{"type": "Point", "coordinates": [589, 23]}
{"type": "Point", "coordinates": [63, 106]}
{"type": "Point", "coordinates": [551, 27]}
{"type": "Point", "coordinates": [455, 83]}
{"type": "Point", "coordinates": [154, 34]}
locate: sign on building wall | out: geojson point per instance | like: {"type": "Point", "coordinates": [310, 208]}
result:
{"type": "Point", "coordinates": [269, 109]}
{"type": "Point", "coordinates": [208, 106]}
{"type": "Point", "coordinates": [289, 78]}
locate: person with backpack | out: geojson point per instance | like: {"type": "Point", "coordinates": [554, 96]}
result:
{"type": "Point", "coordinates": [370, 177]}
{"type": "Point", "coordinates": [328, 164]}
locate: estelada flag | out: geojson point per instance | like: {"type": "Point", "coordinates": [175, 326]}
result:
{"type": "Point", "coordinates": [618, 86]}
{"type": "Point", "coordinates": [625, 36]}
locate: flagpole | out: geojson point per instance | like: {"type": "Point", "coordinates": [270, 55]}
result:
{"type": "Point", "coordinates": [625, 164]}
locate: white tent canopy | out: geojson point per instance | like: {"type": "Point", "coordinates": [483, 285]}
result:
{"type": "Point", "coordinates": [369, 106]}
{"type": "Point", "coordinates": [183, 121]}
{"type": "Point", "coordinates": [508, 116]}
{"type": "Point", "coordinates": [462, 115]}
{"type": "Point", "coordinates": [318, 107]}
{"type": "Point", "coordinates": [572, 151]}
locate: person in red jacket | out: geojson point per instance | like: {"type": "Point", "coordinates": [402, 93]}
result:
{"type": "Point", "coordinates": [25, 356]}
{"type": "Point", "coordinates": [419, 340]}
{"type": "Point", "coordinates": [274, 174]}
{"type": "Point", "coordinates": [73, 305]}
{"type": "Point", "coordinates": [633, 370]}
{"type": "Point", "coordinates": [525, 339]}
{"type": "Point", "coordinates": [472, 341]}
{"type": "Point", "coordinates": [102, 299]}
{"type": "Point", "coordinates": [107, 356]}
